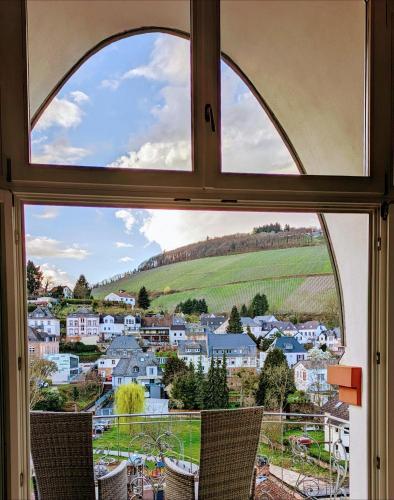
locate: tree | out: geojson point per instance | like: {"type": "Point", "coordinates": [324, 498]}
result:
{"type": "Point", "coordinates": [173, 367]}
{"type": "Point", "coordinates": [200, 386]}
{"type": "Point", "coordinates": [82, 289]}
{"type": "Point", "coordinates": [34, 277]}
{"type": "Point", "coordinates": [184, 389]}
{"type": "Point", "coordinates": [259, 305]}
{"type": "Point", "coordinates": [276, 381]}
{"type": "Point", "coordinates": [129, 398]}
{"type": "Point", "coordinates": [211, 387]}
{"type": "Point", "coordinates": [143, 299]}
{"type": "Point", "coordinates": [223, 396]}
{"type": "Point", "coordinates": [244, 310]}
{"type": "Point", "coordinates": [248, 383]}
{"type": "Point", "coordinates": [234, 322]}
{"type": "Point", "coordinates": [51, 401]}
{"type": "Point", "coordinates": [39, 372]}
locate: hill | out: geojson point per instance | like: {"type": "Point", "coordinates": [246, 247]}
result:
{"type": "Point", "coordinates": [296, 279]}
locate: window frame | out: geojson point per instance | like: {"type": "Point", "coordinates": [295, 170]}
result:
{"type": "Point", "coordinates": [202, 189]}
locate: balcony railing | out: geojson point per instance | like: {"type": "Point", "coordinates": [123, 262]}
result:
{"type": "Point", "coordinates": [299, 455]}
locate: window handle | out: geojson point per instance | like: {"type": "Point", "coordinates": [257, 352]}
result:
{"type": "Point", "coordinates": [209, 116]}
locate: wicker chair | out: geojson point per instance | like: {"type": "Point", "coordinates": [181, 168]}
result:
{"type": "Point", "coordinates": [62, 453]}
{"type": "Point", "coordinates": [229, 440]}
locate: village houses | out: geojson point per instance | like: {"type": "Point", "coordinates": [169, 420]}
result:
{"type": "Point", "coordinates": [112, 325]}
{"type": "Point", "coordinates": [121, 297]}
{"type": "Point", "coordinates": [123, 346]}
{"type": "Point", "coordinates": [43, 319]}
{"type": "Point", "coordinates": [40, 343]}
{"type": "Point", "coordinates": [83, 325]}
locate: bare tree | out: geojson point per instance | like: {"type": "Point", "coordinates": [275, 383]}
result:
{"type": "Point", "coordinates": [39, 372]}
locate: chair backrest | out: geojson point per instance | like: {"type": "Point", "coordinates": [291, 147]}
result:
{"type": "Point", "coordinates": [229, 441]}
{"type": "Point", "coordinates": [61, 449]}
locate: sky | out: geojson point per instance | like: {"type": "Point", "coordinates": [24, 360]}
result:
{"type": "Point", "coordinates": [102, 242]}
{"type": "Point", "coordinates": [128, 106]}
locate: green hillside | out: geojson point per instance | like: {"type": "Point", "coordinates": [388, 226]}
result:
{"type": "Point", "coordinates": [294, 279]}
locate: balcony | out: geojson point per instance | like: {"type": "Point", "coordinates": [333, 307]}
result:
{"type": "Point", "coordinates": [299, 455]}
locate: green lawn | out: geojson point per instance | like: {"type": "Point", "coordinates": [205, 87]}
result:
{"type": "Point", "coordinates": [234, 279]}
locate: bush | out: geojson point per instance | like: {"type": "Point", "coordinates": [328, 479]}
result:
{"type": "Point", "coordinates": [78, 347]}
{"type": "Point", "coordinates": [53, 401]}
{"type": "Point", "coordinates": [64, 302]}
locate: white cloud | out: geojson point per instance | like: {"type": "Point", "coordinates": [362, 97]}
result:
{"type": "Point", "coordinates": [79, 97]}
{"type": "Point", "coordinates": [122, 244]}
{"type": "Point", "coordinates": [111, 84]}
{"type": "Point", "coordinates": [59, 152]}
{"type": "Point", "coordinates": [57, 276]}
{"type": "Point", "coordinates": [60, 112]}
{"type": "Point", "coordinates": [170, 62]}
{"type": "Point", "coordinates": [39, 140]}
{"type": "Point", "coordinates": [126, 215]}
{"type": "Point", "coordinates": [174, 228]}
{"type": "Point", "coordinates": [125, 259]}
{"type": "Point", "coordinates": [48, 213]}
{"type": "Point", "coordinates": [43, 247]}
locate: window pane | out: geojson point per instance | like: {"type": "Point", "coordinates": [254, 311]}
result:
{"type": "Point", "coordinates": [307, 62]}
{"type": "Point", "coordinates": [126, 106]}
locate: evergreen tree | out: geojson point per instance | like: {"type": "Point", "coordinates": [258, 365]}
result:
{"type": "Point", "coordinates": [143, 298]}
{"type": "Point", "coordinates": [251, 335]}
{"type": "Point", "coordinates": [82, 289]}
{"type": "Point", "coordinates": [34, 277]}
{"type": "Point", "coordinates": [184, 388]}
{"type": "Point", "coordinates": [244, 310]}
{"type": "Point", "coordinates": [210, 396]}
{"type": "Point", "coordinates": [224, 390]}
{"type": "Point", "coordinates": [259, 305]}
{"type": "Point", "coordinates": [200, 386]}
{"type": "Point", "coordinates": [234, 322]}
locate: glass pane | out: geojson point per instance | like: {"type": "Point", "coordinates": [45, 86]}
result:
{"type": "Point", "coordinates": [307, 62]}
{"type": "Point", "coordinates": [126, 106]}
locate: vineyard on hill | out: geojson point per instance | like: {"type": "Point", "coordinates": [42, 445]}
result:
{"type": "Point", "coordinates": [298, 279]}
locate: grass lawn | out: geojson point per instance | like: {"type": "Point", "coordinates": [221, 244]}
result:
{"type": "Point", "coordinates": [188, 432]}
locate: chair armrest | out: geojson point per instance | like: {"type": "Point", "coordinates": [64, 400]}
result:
{"type": "Point", "coordinates": [113, 486]}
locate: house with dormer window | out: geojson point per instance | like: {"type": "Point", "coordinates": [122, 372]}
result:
{"type": "Point", "coordinates": [292, 349]}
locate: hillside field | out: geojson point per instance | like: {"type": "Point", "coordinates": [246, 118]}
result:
{"type": "Point", "coordinates": [294, 279]}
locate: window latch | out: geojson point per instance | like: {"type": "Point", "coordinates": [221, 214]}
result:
{"type": "Point", "coordinates": [209, 116]}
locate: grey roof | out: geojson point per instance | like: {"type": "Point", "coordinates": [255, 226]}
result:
{"type": "Point", "coordinates": [178, 327]}
{"type": "Point", "coordinates": [212, 320]}
{"type": "Point", "coordinates": [280, 325]}
{"type": "Point", "coordinates": [185, 345]}
{"type": "Point", "coordinates": [308, 325]}
{"type": "Point", "coordinates": [122, 342]}
{"type": "Point", "coordinates": [127, 366]}
{"type": "Point", "coordinates": [41, 312]}
{"type": "Point", "coordinates": [316, 364]}
{"type": "Point", "coordinates": [37, 335]}
{"type": "Point", "coordinates": [246, 321]}
{"type": "Point", "coordinates": [83, 311]}
{"type": "Point", "coordinates": [264, 319]}
{"type": "Point", "coordinates": [288, 345]}
{"type": "Point", "coordinates": [234, 342]}
{"type": "Point", "coordinates": [336, 408]}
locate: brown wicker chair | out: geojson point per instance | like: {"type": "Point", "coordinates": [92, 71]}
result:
{"type": "Point", "coordinates": [62, 453]}
{"type": "Point", "coordinates": [229, 441]}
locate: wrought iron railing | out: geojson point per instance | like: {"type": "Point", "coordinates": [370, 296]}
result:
{"type": "Point", "coordinates": [299, 455]}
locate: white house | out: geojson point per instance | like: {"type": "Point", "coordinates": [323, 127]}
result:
{"type": "Point", "coordinates": [310, 376]}
{"type": "Point", "coordinates": [177, 333]}
{"type": "Point", "coordinates": [336, 429]}
{"type": "Point", "coordinates": [62, 291]}
{"type": "Point", "coordinates": [123, 346]}
{"type": "Point", "coordinates": [122, 297]}
{"type": "Point", "coordinates": [332, 339]}
{"type": "Point", "coordinates": [292, 349]}
{"type": "Point", "coordinates": [240, 350]}
{"type": "Point", "coordinates": [271, 328]}
{"type": "Point", "coordinates": [67, 367]}
{"type": "Point", "coordinates": [112, 325]}
{"type": "Point", "coordinates": [42, 319]}
{"type": "Point", "coordinates": [82, 324]}
{"type": "Point", "coordinates": [192, 351]}
{"type": "Point", "coordinates": [309, 331]}
{"type": "Point", "coordinates": [141, 368]}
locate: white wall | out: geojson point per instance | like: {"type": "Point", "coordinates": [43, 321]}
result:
{"type": "Point", "coordinates": [349, 235]}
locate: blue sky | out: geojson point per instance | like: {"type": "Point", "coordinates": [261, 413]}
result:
{"type": "Point", "coordinates": [102, 242]}
{"type": "Point", "coordinates": [128, 106]}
